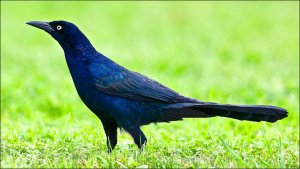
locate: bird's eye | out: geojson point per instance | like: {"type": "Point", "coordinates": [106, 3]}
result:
{"type": "Point", "coordinates": [58, 27]}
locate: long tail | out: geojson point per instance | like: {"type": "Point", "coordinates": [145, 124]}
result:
{"type": "Point", "coordinates": [241, 112]}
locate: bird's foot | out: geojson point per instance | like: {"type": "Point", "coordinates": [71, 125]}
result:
{"type": "Point", "coordinates": [142, 147]}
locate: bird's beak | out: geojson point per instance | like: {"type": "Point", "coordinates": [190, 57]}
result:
{"type": "Point", "coordinates": [41, 25]}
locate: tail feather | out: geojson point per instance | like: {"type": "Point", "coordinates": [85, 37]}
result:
{"type": "Point", "coordinates": [241, 112]}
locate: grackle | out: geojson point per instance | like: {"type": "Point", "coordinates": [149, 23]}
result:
{"type": "Point", "coordinates": [125, 99]}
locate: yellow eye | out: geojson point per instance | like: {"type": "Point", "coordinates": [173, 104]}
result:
{"type": "Point", "coordinates": [58, 27]}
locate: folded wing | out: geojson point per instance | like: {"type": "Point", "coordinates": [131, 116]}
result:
{"type": "Point", "coordinates": [132, 85]}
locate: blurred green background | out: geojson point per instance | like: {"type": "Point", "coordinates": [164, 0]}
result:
{"type": "Point", "coordinates": [228, 52]}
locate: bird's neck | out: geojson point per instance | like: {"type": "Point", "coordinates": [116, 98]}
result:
{"type": "Point", "coordinates": [78, 47]}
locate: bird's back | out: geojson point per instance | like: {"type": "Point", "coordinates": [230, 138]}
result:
{"type": "Point", "coordinates": [110, 78]}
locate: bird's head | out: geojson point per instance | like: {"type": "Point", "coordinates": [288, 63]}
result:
{"type": "Point", "coordinates": [66, 33]}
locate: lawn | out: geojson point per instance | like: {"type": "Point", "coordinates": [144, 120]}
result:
{"type": "Point", "coordinates": [228, 52]}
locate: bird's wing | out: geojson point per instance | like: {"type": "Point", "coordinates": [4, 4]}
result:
{"type": "Point", "coordinates": [132, 85]}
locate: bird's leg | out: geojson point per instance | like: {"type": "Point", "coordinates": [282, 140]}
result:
{"type": "Point", "coordinates": [110, 129]}
{"type": "Point", "coordinates": [138, 136]}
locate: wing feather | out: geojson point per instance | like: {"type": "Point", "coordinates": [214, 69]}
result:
{"type": "Point", "coordinates": [132, 85]}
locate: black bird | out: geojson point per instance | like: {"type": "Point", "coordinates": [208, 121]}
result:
{"type": "Point", "coordinates": [125, 99]}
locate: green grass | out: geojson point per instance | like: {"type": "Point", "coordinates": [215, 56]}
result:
{"type": "Point", "coordinates": [229, 52]}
